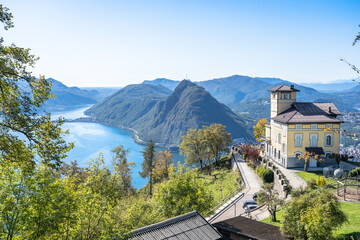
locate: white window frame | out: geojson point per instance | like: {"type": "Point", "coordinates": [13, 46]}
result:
{"type": "Point", "coordinates": [298, 126]}
{"type": "Point", "coordinates": [296, 153]}
{"type": "Point", "coordinates": [301, 139]}
{"type": "Point", "coordinates": [314, 126]}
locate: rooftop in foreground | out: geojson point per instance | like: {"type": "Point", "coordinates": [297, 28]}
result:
{"type": "Point", "coordinates": [190, 226]}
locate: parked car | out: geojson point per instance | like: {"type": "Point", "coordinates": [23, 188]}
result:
{"type": "Point", "coordinates": [250, 207]}
{"type": "Point", "coordinates": [249, 202]}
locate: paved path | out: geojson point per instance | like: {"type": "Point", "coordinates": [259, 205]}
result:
{"type": "Point", "coordinates": [252, 185]}
{"type": "Point", "coordinates": [295, 181]}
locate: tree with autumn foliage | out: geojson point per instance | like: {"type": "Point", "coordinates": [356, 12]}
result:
{"type": "Point", "coordinates": [259, 130]}
{"type": "Point", "coordinates": [163, 161]}
{"type": "Point", "coordinates": [307, 156]}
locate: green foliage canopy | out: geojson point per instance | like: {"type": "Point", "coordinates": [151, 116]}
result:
{"type": "Point", "coordinates": [314, 215]}
{"type": "Point", "coordinates": [183, 193]}
{"type": "Point", "coordinates": [24, 133]}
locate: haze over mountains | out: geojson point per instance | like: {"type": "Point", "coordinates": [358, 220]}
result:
{"type": "Point", "coordinates": [247, 95]}
{"type": "Point", "coordinates": [163, 109]}
{"type": "Point", "coordinates": [166, 118]}
{"type": "Point", "coordinates": [73, 96]}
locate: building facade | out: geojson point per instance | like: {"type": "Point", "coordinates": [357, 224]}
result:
{"type": "Point", "coordinates": [298, 127]}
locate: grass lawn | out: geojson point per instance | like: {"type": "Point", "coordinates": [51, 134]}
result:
{"type": "Point", "coordinates": [314, 175]}
{"type": "Point", "coordinates": [225, 182]}
{"type": "Point", "coordinates": [352, 211]}
{"type": "Point", "coordinates": [352, 228]}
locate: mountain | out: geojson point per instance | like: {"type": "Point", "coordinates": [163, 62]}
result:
{"type": "Point", "coordinates": [350, 97]}
{"type": "Point", "coordinates": [129, 104]}
{"type": "Point", "coordinates": [239, 88]}
{"type": "Point", "coordinates": [101, 92]}
{"type": "Point", "coordinates": [170, 84]}
{"type": "Point", "coordinates": [337, 86]}
{"type": "Point", "coordinates": [245, 94]}
{"type": "Point", "coordinates": [166, 120]}
{"type": "Point", "coordinates": [69, 96]}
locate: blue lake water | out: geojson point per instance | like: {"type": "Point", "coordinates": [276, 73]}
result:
{"type": "Point", "coordinates": [92, 138]}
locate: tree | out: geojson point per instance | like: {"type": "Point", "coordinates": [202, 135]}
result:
{"type": "Point", "coordinates": [357, 38]}
{"type": "Point", "coordinates": [193, 147]}
{"type": "Point", "coordinates": [353, 67]}
{"type": "Point", "coordinates": [34, 206]}
{"type": "Point", "coordinates": [314, 215]}
{"type": "Point", "coordinates": [148, 163]}
{"type": "Point", "coordinates": [205, 144]}
{"type": "Point", "coordinates": [25, 132]}
{"type": "Point", "coordinates": [217, 140]}
{"type": "Point", "coordinates": [184, 192]}
{"type": "Point", "coordinates": [271, 199]}
{"type": "Point", "coordinates": [307, 156]}
{"type": "Point", "coordinates": [122, 168]}
{"type": "Point", "coordinates": [162, 163]}
{"type": "Point", "coordinates": [259, 130]}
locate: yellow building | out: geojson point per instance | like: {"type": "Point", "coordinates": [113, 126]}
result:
{"type": "Point", "coordinates": [298, 127]}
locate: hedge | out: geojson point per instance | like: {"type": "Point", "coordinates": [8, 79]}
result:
{"type": "Point", "coordinates": [355, 172]}
{"type": "Point", "coordinates": [265, 174]}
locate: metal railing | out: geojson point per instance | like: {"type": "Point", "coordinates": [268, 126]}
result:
{"type": "Point", "coordinates": [219, 204]}
{"type": "Point", "coordinates": [215, 216]}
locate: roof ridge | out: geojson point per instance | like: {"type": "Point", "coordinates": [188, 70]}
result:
{"type": "Point", "coordinates": [166, 222]}
{"type": "Point", "coordinates": [292, 116]}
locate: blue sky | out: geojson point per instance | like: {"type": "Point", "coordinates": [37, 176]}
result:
{"type": "Point", "coordinates": [115, 43]}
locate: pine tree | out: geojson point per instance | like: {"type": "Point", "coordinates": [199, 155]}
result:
{"type": "Point", "coordinates": [148, 163]}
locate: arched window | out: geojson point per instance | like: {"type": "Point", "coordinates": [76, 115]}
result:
{"type": "Point", "coordinates": [275, 153]}
{"type": "Point", "coordinates": [279, 138]}
{"type": "Point", "coordinates": [313, 140]}
{"type": "Point", "coordinates": [279, 154]}
{"type": "Point", "coordinates": [298, 140]}
{"type": "Point", "coordinates": [297, 155]}
{"type": "Point", "coordinates": [328, 140]}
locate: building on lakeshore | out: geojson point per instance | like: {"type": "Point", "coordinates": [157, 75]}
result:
{"type": "Point", "coordinates": [298, 127]}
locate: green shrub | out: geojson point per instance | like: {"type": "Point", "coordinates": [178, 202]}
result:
{"type": "Point", "coordinates": [311, 183]}
{"type": "Point", "coordinates": [265, 174]}
{"type": "Point", "coordinates": [268, 176]}
{"type": "Point", "coordinates": [355, 172]}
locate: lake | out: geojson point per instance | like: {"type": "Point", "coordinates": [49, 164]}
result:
{"type": "Point", "coordinates": [92, 138]}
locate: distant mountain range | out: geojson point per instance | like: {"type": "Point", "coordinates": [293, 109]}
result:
{"type": "Point", "coordinates": [164, 109]}
{"type": "Point", "coordinates": [249, 96]}
{"type": "Point", "coordinates": [337, 86]}
{"type": "Point", "coordinates": [72, 96]}
{"type": "Point", "coordinates": [164, 116]}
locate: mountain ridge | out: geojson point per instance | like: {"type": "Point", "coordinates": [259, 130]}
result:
{"type": "Point", "coordinates": [188, 106]}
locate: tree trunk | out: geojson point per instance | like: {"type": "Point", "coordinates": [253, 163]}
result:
{"type": "Point", "coordinates": [201, 163]}
{"type": "Point", "coordinates": [305, 167]}
{"type": "Point", "coordinates": [273, 216]}
{"type": "Point", "coordinates": [216, 161]}
{"type": "Point", "coordinates": [150, 181]}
